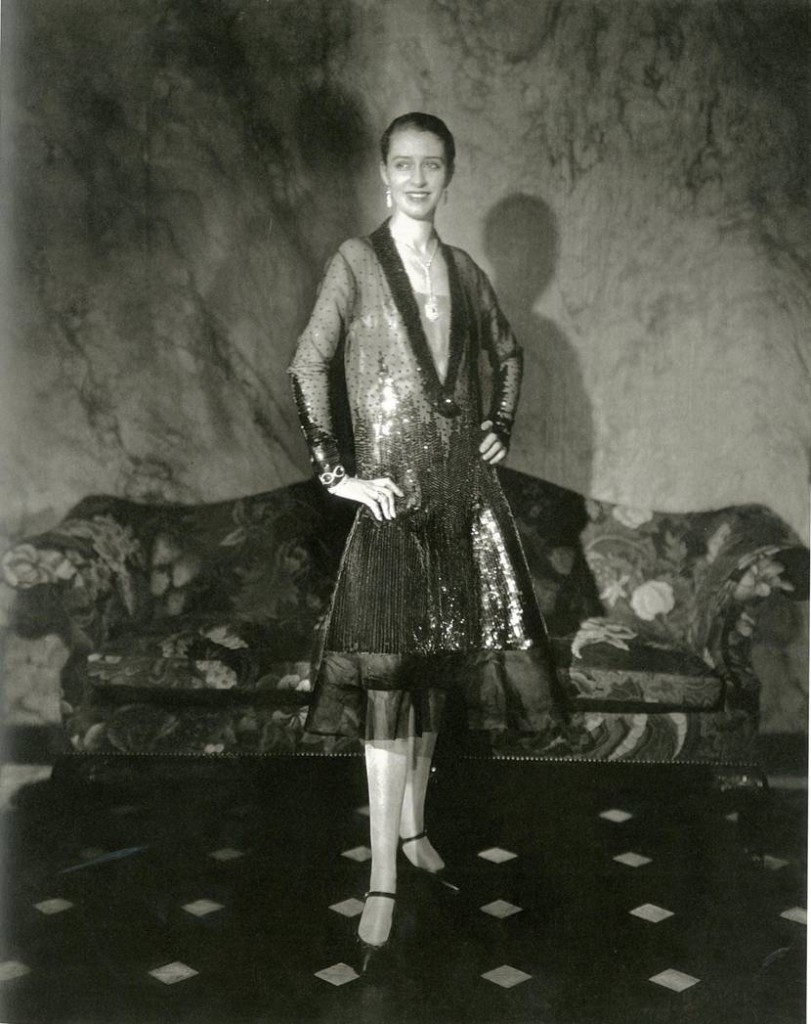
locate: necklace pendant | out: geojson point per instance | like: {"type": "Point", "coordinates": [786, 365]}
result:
{"type": "Point", "coordinates": [432, 310]}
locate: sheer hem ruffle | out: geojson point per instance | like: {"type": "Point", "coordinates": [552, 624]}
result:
{"type": "Point", "coordinates": [370, 696]}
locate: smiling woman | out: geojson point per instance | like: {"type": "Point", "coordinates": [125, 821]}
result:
{"type": "Point", "coordinates": [433, 592]}
{"type": "Point", "coordinates": [417, 171]}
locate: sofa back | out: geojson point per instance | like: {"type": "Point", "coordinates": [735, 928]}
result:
{"type": "Point", "coordinates": [644, 569]}
{"type": "Point", "coordinates": [272, 557]}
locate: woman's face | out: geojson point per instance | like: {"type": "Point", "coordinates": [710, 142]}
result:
{"type": "Point", "coordinates": [417, 173]}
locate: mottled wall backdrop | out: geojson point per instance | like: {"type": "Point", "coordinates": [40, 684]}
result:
{"type": "Point", "coordinates": [634, 176]}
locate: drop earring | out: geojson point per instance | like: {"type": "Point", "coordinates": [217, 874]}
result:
{"type": "Point", "coordinates": [388, 198]}
{"type": "Point", "coordinates": [445, 198]}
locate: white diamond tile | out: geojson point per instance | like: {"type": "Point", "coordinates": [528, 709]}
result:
{"type": "Point", "coordinates": [358, 853]}
{"type": "Point", "coordinates": [506, 976]}
{"type": "Point", "coordinates": [616, 815]}
{"type": "Point", "coordinates": [364, 811]}
{"type": "Point", "coordinates": [10, 969]}
{"type": "Point", "coordinates": [501, 908]}
{"type": "Point", "coordinates": [202, 907]}
{"type": "Point", "coordinates": [650, 912]}
{"type": "Point", "coordinates": [773, 863]}
{"type": "Point", "coordinates": [797, 914]}
{"type": "Point", "coordinates": [226, 853]}
{"type": "Point", "coordinates": [733, 816]}
{"type": "Point", "coordinates": [171, 973]}
{"type": "Point", "coordinates": [349, 908]}
{"type": "Point", "coordinates": [632, 860]}
{"type": "Point", "coordinates": [496, 855]}
{"type": "Point", "coordinates": [55, 906]}
{"type": "Point", "coordinates": [338, 974]}
{"type": "Point", "coordinates": [675, 980]}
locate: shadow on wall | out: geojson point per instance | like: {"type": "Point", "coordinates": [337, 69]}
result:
{"type": "Point", "coordinates": [554, 436]}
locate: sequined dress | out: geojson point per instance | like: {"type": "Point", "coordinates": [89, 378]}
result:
{"type": "Point", "coordinates": [441, 595]}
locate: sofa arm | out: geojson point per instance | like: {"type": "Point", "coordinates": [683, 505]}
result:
{"type": "Point", "coordinates": [748, 563]}
{"type": "Point", "coordinates": [80, 579]}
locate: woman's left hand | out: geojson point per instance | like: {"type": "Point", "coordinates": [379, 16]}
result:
{"type": "Point", "coordinates": [492, 448]}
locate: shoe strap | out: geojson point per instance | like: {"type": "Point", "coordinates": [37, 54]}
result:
{"type": "Point", "coordinates": [411, 839]}
{"type": "Point", "coordinates": [388, 895]}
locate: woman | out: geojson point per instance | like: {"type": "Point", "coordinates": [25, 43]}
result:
{"type": "Point", "coordinates": [433, 589]}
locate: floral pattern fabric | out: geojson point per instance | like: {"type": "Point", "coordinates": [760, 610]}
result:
{"type": "Point", "coordinates": [191, 627]}
{"type": "Point", "coordinates": [620, 671]}
{"type": "Point", "coordinates": [213, 655]}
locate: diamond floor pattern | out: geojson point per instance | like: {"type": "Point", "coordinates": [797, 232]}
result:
{"type": "Point", "coordinates": [237, 899]}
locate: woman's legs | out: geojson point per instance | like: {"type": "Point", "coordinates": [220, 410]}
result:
{"type": "Point", "coordinates": [386, 766]}
{"type": "Point", "coordinates": [397, 773]}
{"type": "Point", "coordinates": [412, 818]}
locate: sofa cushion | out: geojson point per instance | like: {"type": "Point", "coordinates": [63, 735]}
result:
{"type": "Point", "coordinates": [608, 666]}
{"type": "Point", "coordinates": [203, 660]}
{"type": "Point", "coordinates": [218, 661]}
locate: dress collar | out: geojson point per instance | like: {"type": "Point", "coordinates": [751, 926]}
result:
{"type": "Point", "coordinates": [440, 394]}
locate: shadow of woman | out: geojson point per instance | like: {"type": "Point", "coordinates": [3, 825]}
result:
{"type": "Point", "coordinates": [553, 437]}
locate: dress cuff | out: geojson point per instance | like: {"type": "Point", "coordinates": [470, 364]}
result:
{"type": "Point", "coordinates": [502, 426]}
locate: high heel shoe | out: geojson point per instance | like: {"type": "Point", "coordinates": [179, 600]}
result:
{"type": "Point", "coordinates": [374, 956]}
{"type": "Point", "coordinates": [441, 876]}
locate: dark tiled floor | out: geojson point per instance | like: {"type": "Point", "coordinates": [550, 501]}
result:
{"type": "Point", "coordinates": [280, 829]}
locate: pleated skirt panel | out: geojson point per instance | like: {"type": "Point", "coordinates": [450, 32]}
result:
{"type": "Point", "coordinates": [425, 604]}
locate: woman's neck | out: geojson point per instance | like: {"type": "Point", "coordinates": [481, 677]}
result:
{"type": "Point", "coordinates": [415, 233]}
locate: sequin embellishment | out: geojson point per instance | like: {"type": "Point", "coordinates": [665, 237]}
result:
{"type": "Point", "coordinates": [447, 573]}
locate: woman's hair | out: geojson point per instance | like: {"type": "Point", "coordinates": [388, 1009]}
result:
{"type": "Point", "coordinates": [421, 123]}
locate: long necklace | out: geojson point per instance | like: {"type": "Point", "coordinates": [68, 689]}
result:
{"type": "Point", "coordinates": [431, 306]}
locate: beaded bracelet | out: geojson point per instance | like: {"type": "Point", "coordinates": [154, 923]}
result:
{"type": "Point", "coordinates": [330, 478]}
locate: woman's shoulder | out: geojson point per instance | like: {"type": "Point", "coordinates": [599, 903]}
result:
{"type": "Point", "coordinates": [461, 257]}
{"type": "Point", "coordinates": [465, 263]}
{"type": "Point", "coordinates": [355, 249]}
{"type": "Point", "coordinates": [349, 260]}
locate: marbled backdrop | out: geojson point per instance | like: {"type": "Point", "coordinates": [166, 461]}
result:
{"type": "Point", "coordinates": [634, 176]}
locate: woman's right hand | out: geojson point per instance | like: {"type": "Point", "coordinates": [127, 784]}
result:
{"type": "Point", "coordinates": [377, 495]}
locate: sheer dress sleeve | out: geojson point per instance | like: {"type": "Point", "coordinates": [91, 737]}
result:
{"type": "Point", "coordinates": [506, 359]}
{"type": "Point", "coordinates": [310, 368]}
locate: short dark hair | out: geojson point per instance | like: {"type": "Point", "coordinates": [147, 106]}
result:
{"type": "Point", "coordinates": [421, 123]}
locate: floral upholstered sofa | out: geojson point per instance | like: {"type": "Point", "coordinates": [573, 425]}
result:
{"type": "Point", "coordinates": [190, 627]}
